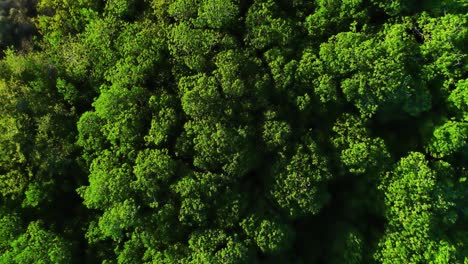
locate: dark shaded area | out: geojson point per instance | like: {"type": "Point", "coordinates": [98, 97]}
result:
{"type": "Point", "coordinates": [16, 27]}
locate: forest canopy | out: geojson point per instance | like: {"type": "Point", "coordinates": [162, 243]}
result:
{"type": "Point", "coordinates": [234, 131]}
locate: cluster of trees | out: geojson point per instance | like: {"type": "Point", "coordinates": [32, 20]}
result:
{"type": "Point", "coordinates": [232, 131]}
{"type": "Point", "coordinates": [16, 23]}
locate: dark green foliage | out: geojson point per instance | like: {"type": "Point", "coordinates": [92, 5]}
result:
{"type": "Point", "coordinates": [228, 131]}
{"type": "Point", "coordinates": [16, 25]}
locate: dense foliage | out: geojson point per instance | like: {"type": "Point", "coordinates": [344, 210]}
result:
{"type": "Point", "coordinates": [233, 131]}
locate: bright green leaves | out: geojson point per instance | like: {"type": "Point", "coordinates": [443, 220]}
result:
{"type": "Point", "coordinates": [153, 166]}
{"type": "Point", "coordinates": [276, 133]}
{"type": "Point", "coordinates": [334, 16]}
{"type": "Point", "coordinates": [207, 240]}
{"type": "Point", "coordinates": [234, 252]}
{"type": "Point", "coordinates": [183, 9]}
{"type": "Point", "coordinates": [376, 73]}
{"type": "Point", "coordinates": [121, 8]}
{"type": "Point", "coordinates": [140, 50]}
{"type": "Point", "coordinates": [215, 246]}
{"type": "Point", "coordinates": [13, 183]}
{"type": "Point", "coordinates": [214, 97]}
{"type": "Point", "coordinates": [201, 184]}
{"type": "Point", "coordinates": [391, 7]}
{"type": "Point", "coordinates": [11, 229]}
{"type": "Point", "coordinates": [217, 14]}
{"type": "Point", "coordinates": [345, 47]}
{"type": "Point", "coordinates": [125, 139]}
{"type": "Point", "coordinates": [300, 180]}
{"type": "Point", "coordinates": [95, 49]}
{"type": "Point", "coordinates": [118, 218]}
{"type": "Point", "coordinates": [193, 209]}
{"type": "Point", "coordinates": [406, 192]}
{"type": "Point", "coordinates": [211, 105]}
{"type": "Point", "coordinates": [415, 202]}
{"type": "Point", "coordinates": [399, 248]}
{"type": "Point", "coordinates": [90, 137]}
{"type": "Point", "coordinates": [36, 193]}
{"type": "Point", "coordinates": [37, 245]}
{"type": "Point", "coordinates": [238, 75]}
{"type": "Point", "coordinates": [312, 76]}
{"type": "Point", "coordinates": [164, 120]}
{"type": "Point", "coordinates": [219, 146]}
{"type": "Point", "coordinates": [201, 97]}
{"type": "Point", "coordinates": [192, 45]}
{"type": "Point", "coordinates": [449, 138]}
{"type": "Point", "coordinates": [68, 91]}
{"type": "Point", "coordinates": [37, 160]}
{"type": "Point", "coordinates": [266, 27]}
{"type": "Point", "coordinates": [12, 158]}
{"type": "Point", "coordinates": [108, 181]}
{"type": "Point", "coordinates": [214, 14]}
{"type": "Point", "coordinates": [282, 70]}
{"type": "Point", "coordinates": [229, 68]}
{"type": "Point", "coordinates": [459, 99]}
{"type": "Point", "coordinates": [67, 16]}
{"type": "Point", "coordinates": [113, 102]}
{"type": "Point", "coordinates": [364, 159]}
{"type": "Point", "coordinates": [121, 109]}
{"type": "Point", "coordinates": [110, 49]}
{"type": "Point", "coordinates": [206, 193]}
{"type": "Point", "coordinates": [215, 131]}
{"type": "Point", "coordinates": [397, 8]}
{"type": "Point", "coordinates": [153, 169]}
{"type": "Point", "coordinates": [270, 236]}
{"type": "Point", "coordinates": [360, 153]}
{"type": "Point", "coordinates": [443, 46]}
{"type": "Point", "coordinates": [132, 251]}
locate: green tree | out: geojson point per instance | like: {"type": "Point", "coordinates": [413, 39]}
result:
{"type": "Point", "coordinates": [217, 14]}
{"type": "Point", "coordinates": [449, 138]}
{"type": "Point", "coordinates": [360, 153]}
{"type": "Point", "coordinates": [37, 245]}
{"type": "Point", "coordinates": [300, 180]}
{"type": "Point", "coordinates": [331, 17]}
{"type": "Point", "coordinates": [459, 99]}
{"type": "Point", "coordinates": [378, 76]}
{"type": "Point", "coordinates": [266, 27]}
{"type": "Point", "coordinates": [61, 17]}
{"type": "Point", "coordinates": [228, 131]}
{"type": "Point", "coordinates": [416, 204]}
{"type": "Point", "coordinates": [270, 236]}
